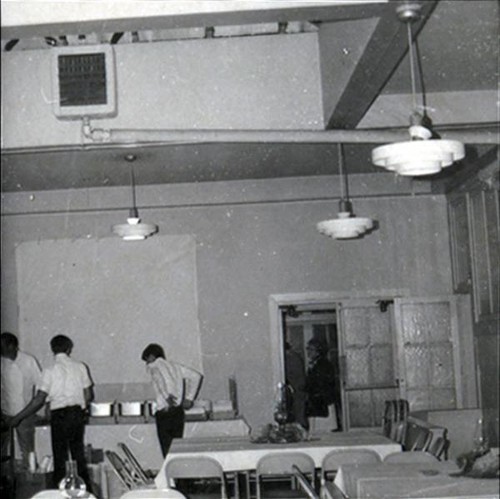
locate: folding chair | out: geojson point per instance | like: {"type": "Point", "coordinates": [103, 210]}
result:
{"type": "Point", "coordinates": [196, 468]}
{"type": "Point", "coordinates": [281, 465]}
{"type": "Point", "coordinates": [120, 468]}
{"type": "Point", "coordinates": [410, 457]}
{"type": "Point", "coordinates": [416, 437]}
{"type": "Point", "coordinates": [439, 448]}
{"type": "Point", "coordinates": [140, 476]}
{"type": "Point", "coordinates": [304, 483]}
{"type": "Point", "coordinates": [153, 494]}
{"type": "Point", "coordinates": [336, 458]}
{"type": "Point", "coordinates": [395, 419]}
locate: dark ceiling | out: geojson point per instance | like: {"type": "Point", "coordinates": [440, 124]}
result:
{"type": "Point", "coordinates": [457, 48]}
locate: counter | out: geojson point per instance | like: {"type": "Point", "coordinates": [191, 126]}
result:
{"type": "Point", "coordinates": [141, 438]}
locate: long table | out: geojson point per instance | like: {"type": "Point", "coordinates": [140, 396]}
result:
{"type": "Point", "coordinates": [236, 454]}
{"type": "Point", "coordinates": [415, 480]}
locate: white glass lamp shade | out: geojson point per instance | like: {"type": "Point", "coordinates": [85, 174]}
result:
{"type": "Point", "coordinates": [418, 157]}
{"type": "Point", "coordinates": [345, 226]}
{"type": "Point", "coordinates": [134, 230]}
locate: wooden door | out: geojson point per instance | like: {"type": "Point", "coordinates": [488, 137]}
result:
{"type": "Point", "coordinates": [428, 351]}
{"type": "Point", "coordinates": [369, 372]}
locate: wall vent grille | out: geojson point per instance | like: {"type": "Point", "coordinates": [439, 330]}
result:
{"type": "Point", "coordinates": [82, 79]}
{"type": "Point", "coordinates": [84, 82]}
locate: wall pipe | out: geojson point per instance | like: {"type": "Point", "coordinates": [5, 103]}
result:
{"type": "Point", "coordinates": [131, 136]}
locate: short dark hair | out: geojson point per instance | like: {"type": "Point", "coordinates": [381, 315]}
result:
{"type": "Point", "coordinates": [60, 344]}
{"type": "Point", "coordinates": [320, 346]}
{"type": "Point", "coordinates": [153, 349]}
{"type": "Point", "coordinates": [9, 340]}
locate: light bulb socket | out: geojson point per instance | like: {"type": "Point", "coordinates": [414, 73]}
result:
{"type": "Point", "coordinates": [409, 12]}
{"type": "Point", "coordinates": [133, 213]}
{"type": "Point", "coordinates": [416, 119]}
{"type": "Point", "coordinates": [345, 206]}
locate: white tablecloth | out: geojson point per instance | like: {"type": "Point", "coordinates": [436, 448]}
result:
{"type": "Point", "coordinates": [415, 480]}
{"type": "Point", "coordinates": [240, 454]}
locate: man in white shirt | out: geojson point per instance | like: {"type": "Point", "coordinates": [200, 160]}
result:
{"type": "Point", "coordinates": [68, 388]}
{"type": "Point", "coordinates": [20, 374]}
{"type": "Point", "coordinates": [176, 386]}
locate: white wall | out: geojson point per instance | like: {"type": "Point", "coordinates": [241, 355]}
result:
{"type": "Point", "coordinates": [265, 82]}
{"type": "Point", "coordinates": [245, 252]}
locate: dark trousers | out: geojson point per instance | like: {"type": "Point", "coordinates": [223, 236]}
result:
{"type": "Point", "coordinates": [67, 427]}
{"type": "Point", "coordinates": [169, 425]}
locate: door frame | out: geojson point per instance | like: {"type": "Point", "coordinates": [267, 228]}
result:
{"type": "Point", "coordinates": [315, 299]}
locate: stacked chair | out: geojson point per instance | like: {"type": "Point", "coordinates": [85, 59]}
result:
{"type": "Point", "coordinates": [395, 419]}
{"type": "Point", "coordinates": [439, 448]}
{"type": "Point", "coordinates": [127, 468]}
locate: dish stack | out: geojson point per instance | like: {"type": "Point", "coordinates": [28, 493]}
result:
{"type": "Point", "coordinates": [103, 412]}
{"type": "Point", "coordinates": [131, 412]}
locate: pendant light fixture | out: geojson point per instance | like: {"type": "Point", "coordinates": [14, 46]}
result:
{"type": "Point", "coordinates": [347, 225]}
{"type": "Point", "coordinates": [134, 230]}
{"type": "Point", "coordinates": [421, 155]}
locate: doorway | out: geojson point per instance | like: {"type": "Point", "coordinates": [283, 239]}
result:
{"type": "Point", "coordinates": [300, 325]}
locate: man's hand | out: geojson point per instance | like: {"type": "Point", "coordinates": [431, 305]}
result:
{"type": "Point", "coordinates": [12, 421]}
{"type": "Point", "coordinates": [187, 404]}
{"type": "Point", "coordinates": [171, 400]}
{"type": "Point", "coordinates": [5, 422]}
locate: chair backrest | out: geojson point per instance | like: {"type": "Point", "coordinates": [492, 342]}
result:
{"type": "Point", "coordinates": [410, 457]}
{"type": "Point", "coordinates": [196, 467]}
{"type": "Point", "coordinates": [336, 458]}
{"type": "Point", "coordinates": [54, 494]}
{"type": "Point", "coordinates": [193, 467]}
{"type": "Point", "coordinates": [285, 464]}
{"type": "Point", "coordinates": [153, 494]}
{"type": "Point", "coordinates": [281, 463]}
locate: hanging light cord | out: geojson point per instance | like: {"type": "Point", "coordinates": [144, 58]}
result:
{"type": "Point", "coordinates": [412, 68]}
{"type": "Point", "coordinates": [344, 195]}
{"type": "Point", "coordinates": [132, 183]}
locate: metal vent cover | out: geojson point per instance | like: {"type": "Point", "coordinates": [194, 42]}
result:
{"type": "Point", "coordinates": [84, 82]}
{"type": "Point", "coordinates": [82, 79]}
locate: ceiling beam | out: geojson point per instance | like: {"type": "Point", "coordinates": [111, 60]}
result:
{"type": "Point", "coordinates": [384, 51]}
{"type": "Point", "coordinates": [58, 18]}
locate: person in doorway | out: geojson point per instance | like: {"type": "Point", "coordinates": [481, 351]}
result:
{"type": "Point", "coordinates": [67, 387]}
{"type": "Point", "coordinates": [176, 387]}
{"type": "Point", "coordinates": [20, 374]}
{"type": "Point", "coordinates": [321, 388]}
{"type": "Point", "coordinates": [295, 374]}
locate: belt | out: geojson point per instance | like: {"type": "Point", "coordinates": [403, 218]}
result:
{"type": "Point", "coordinates": [171, 408]}
{"type": "Point", "coordinates": [70, 408]}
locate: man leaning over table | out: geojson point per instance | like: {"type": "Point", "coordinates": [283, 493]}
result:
{"type": "Point", "coordinates": [68, 388]}
{"type": "Point", "coordinates": [175, 386]}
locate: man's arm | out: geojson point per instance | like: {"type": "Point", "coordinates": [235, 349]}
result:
{"type": "Point", "coordinates": [88, 395]}
{"type": "Point", "coordinates": [35, 404]}
{"type": "Point", "coordinates": [192, 383]}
